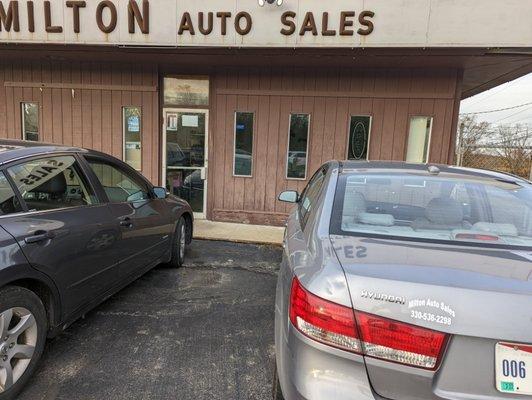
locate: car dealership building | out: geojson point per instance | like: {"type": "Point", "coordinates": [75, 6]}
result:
{"type": "Point", "coordinates": [229, 102]}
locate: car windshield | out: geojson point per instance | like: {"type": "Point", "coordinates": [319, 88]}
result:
{"type": "Point", "coordinates": [446, 207]}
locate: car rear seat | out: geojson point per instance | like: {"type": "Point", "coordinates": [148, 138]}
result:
{"type": "Point", "coordinates": [355, 207]}
{"type": "Point", "coordinates": [442, 213]}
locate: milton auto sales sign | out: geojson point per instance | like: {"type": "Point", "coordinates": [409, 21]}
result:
{"type": "Point", "coordinates": [269, 23]}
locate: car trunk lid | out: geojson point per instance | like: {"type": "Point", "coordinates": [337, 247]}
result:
{"type": "Point", "coordinates": [477, 295]}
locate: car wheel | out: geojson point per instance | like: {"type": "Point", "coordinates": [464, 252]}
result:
{"type": "Point", "coordinates": [23, 328]}
{"type": "Point", "coordinates": [179, 244]}
{"type": "Point", "coordinates": [277, 394]}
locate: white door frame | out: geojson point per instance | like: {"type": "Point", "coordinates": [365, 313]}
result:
{"type": "Point", "coordinates": [203, 169]}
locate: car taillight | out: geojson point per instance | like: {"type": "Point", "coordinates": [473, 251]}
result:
{"type": "Point", "coordinates": [322, 320]}
{"type": "Point", "coordinates": [371, 335]}
{"type": "Point", "coordinates": [399, 342]}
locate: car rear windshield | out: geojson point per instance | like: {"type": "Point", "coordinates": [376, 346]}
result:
{"type": "Point", "coordinates": [446, 207]}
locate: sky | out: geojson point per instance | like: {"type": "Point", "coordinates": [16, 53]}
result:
{"type": "Point", "coordinates": [513, 93]}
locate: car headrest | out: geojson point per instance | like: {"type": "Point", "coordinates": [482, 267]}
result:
{"type": "Point", "coordinates": [354, 203]}
{"type": "Point", "coordinates": [55, 185]}
{"type": "Point", "coordinates": [444, 211]}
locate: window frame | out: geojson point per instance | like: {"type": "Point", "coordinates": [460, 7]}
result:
{"type": "Point", "coordinates": [370, 116]}
{"type": "Point", "coordinates": [128, 170]}
{"type": "Point", "coordinates": [410, 117]}
{"type": "Point", "coordinates": [85, 176]}
{"type": "Point", "coordinates": [23, 130]}
{"type": "Point", "coordinates": [141, 128]}
{"type": "Point", "coordinates": [252, 145]}
{"type": "Point", "coordinates": [288, 146]}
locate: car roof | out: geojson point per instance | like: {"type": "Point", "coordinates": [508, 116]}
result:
{"type": "Point", "coordinates": [351, 166]}
{"type": "Point", "coordinates": [11, 150]}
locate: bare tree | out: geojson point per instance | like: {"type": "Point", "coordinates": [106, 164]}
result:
{"type": "Point", "coordinates": [514, 148]}
{"type": "Point", "coordinates": [471, 134]}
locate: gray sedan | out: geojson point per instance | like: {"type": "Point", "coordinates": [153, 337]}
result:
{"type": "Point", "coordinates": [405, 281]}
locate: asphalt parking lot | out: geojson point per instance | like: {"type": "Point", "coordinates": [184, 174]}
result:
{"type": "Point", "coordinates": [204, 331]}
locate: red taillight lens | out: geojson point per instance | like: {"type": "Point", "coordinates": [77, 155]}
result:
{"type": "Point", "coordinates": [399, 342]}
{"type": "Point", "coordinates": [363, 333]}
{"type": "Point", "coordinates": [323, 320]}
{"type": "Point", "coordinates": [477, 236]}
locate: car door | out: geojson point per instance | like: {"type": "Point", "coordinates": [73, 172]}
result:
{"type": "Point", "coordinates": [65, 231]}
{"type": "Point", "coordinates": [145, 222]}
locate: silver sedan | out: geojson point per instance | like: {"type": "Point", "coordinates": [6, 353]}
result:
{"type": "Point", "coordinates": [406, 281]}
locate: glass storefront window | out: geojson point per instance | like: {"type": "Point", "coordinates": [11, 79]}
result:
{"type": "Point", "coordinates": [296, 163]}
{"type": "Point", "coordinates": [187, 184]}
{"type": "Point", "coordinates": [30, 121]}
{"type": "Point", "coordinates": [419, 139]}
{"type": "Point", "coordinates": [133, 136]}
{"type": "Point", "coordinates": [186, 91]}
{"type": "Point", "coordinates": [359, 134]}
{"type": "Point", "coordinates": [243, 157]}
{"type": "Point", "coordinates": [185, 139]}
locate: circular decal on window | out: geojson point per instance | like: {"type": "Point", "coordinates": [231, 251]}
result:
{"type": "Point", "coordinates": [358, 140]}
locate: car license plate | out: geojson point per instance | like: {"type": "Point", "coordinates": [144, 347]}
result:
{"type": "Point", "coordinates": [513, 368]}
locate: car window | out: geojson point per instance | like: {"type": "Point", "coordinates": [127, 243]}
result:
{"type": "Point", "coordinates": [446, 208]}
{"type": "Point", "coordinates": [51, 183]}
{"type": "Point", "coordinates": [9, 202]}
{"type": "Point", "coordinates": [310, 196]}
{"type": "Point", "coordinates": [119, 184]}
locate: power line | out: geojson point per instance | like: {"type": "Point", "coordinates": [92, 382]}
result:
{"type": "Point", "coordinates": [511, 115]}
{"type": "Point", "coordinates": [502, 89]}
{"type": "Point", "coordinates": [497, 110]}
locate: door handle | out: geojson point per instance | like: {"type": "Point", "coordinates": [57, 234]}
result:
{"type": "Point", "coordinates": [39, 236]}
{"type": "Point", "coordinates": [126, 222]}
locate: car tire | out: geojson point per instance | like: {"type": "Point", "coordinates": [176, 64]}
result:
{"type": "Point", "coordinates": [277, 394]}
{"type": "Point", "coordinates": [179, 244]}
{"type": "Point", "coordinates": [23, 323]}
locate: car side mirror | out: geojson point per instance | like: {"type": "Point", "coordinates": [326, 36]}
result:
{"type": "Point", "coordinates": [160, 192]}
{"type": "Point", "coordinates": [289, 196]}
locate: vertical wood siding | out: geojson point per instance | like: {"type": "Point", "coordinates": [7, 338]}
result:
{"type": "Point", "coordinates": [330, 96]}
{"type": "Point", "coordinates": [93, 118]}
{"type": "Point", "coordinates": [86, 117]}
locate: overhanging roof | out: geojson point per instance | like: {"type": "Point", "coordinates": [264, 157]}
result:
{"type": "Point", "coordinates": [483, 68]}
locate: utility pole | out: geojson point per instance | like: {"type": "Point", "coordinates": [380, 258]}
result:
{"type": "Point", "coordinates": [460, 143]}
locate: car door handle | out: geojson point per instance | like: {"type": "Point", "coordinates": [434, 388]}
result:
{"type": "Point", "coordinates": [39, 236]}
{"type": "Point", "coordinates": [126, 222]}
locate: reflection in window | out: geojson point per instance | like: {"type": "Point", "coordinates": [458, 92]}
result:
{"type": "Point", "coordinates": [188, 185]}
{"type": "Point", "coordinates": [9, 203]}
{"type": "Point", "coordinates": [296, 166]}
{"type": "Point", "coordinates": [52, 183]}
{"type": "Point", "coordinates": [359, 131]}
{"type": "Point", "coordinates": [186, 91]}
{"type": "Point", "coordinates": [132, 137]}
{"type": "Point", "coordinates": [419, 139]}
{"type": "Point", "coordinates": [243, 161]}
{"type": "Point", "coordinates": [119, 186]}
{"type": "Point", "coordinates": [185, 139]}
{"type": "Point", "coordinates": [30, 121]}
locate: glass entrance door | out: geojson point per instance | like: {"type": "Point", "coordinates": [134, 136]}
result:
{"type": "Point", "coordinates": [185, 156]}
